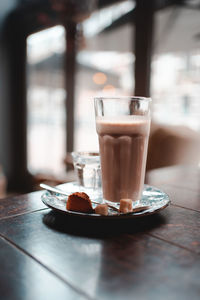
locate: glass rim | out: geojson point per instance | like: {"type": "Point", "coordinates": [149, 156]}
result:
{"type": "Point", "coordinates": [139, 98]}
{"type": "Point", "coordinates": [85, 153]}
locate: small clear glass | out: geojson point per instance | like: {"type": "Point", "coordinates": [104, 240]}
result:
{"type": "Point", "coordinates": [88, 170]}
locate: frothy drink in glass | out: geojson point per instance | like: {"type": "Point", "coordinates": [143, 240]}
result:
{"type": "Point", "coordinates": [123, 140]}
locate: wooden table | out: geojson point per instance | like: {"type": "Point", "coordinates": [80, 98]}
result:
{"type": "Point", "coordinates": [45, 255]}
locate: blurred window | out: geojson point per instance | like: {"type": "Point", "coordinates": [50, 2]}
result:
{"type": "Point", "coordinates": [45, 99]}
{"type": "Point", "coordinates": [176, 67]}
{"type": "Point", "coordinates": [105, 66]}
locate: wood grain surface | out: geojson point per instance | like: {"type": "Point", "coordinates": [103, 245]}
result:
{"type": "Point", "coordinates": [21, 277]}
{"type": "Point", "coordinates": [17, 205]}
{"type": "Point", "coordinates": [154, 257]}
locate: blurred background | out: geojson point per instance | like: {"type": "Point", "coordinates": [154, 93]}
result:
{"type": "Point", "coordinates": [57, 55]}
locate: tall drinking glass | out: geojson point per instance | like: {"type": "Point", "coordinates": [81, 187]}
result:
{"type": "Point", "coordinates": [123, 125]}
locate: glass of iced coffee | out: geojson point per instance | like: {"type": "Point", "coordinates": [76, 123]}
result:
{"type": "Point", "coordinates": [123, 125]}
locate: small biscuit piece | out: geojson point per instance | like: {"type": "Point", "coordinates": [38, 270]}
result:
{"type": "Point", "coordinates": [79, 202]}
{"type": "Point", "coordinates": [101, 209]}
{"type": "Point", "coordinates": [126, 205]}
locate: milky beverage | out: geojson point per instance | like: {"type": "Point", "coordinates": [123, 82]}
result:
{"type": "Point", "coordinates": [123, 148]}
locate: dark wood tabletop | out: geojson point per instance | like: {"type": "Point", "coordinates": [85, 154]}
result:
{"type": "Point", "coordinates": [47, 255]}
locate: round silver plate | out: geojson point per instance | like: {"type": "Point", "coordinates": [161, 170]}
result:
{"type": "Point", "coordinates": [151, 196]}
